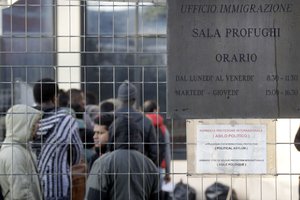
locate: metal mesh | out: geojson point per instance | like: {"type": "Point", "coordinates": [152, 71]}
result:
{"type": "Point", "coordinates": [96, 45]}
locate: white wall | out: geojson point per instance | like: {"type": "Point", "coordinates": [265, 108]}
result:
{"type": "Point", "coordinates": [68, 44]}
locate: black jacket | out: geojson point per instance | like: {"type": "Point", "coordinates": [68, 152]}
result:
{"type": "Point", "coordinates": [149, 140]}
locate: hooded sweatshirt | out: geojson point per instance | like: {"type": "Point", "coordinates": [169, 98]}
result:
{"type": "Point", "coordinates": [16, 159]}
{"type": "Point", "coordinates": [147, 129]}
{"type": "Point", "coordinates": [124, 173]}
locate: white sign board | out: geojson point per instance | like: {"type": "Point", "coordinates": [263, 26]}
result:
{"type": "Point", "coordinates": [239, 149]}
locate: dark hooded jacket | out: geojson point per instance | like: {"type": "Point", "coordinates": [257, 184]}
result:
{"type": "Point", "coordinates": [147, 131]}
{"type": "Point", "coordinates": [124, 173]}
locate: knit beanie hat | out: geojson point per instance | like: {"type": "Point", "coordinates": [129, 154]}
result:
{"type": "Point", "coordinates": [127, 91]}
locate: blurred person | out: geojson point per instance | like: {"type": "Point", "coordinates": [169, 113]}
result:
{"type": "Point", "coordinates": [127, 94]}
{"type": "Point", "coordinates": [63, 102]}
{"type": "Point", "coordinates": [91, 98]}
{"type": "Point", "coordinates": [77, 103]}
{"type": "Point", "coordinates": [57, 144]}
{"type": "Point", "coordinates": [101, 136]}
{"type": "Point", "coordinates": [19, 177]}
{"type": "Point", "coordinates": [63, 98]}
{"type": "Point", "coordinates": [93, 112]}
{"type": "Point", "coordinates": [92, 107]}
{"type": "Point", "coordinates": [124, 173]}
{"type": "Point", "coordinates": [151, 110]}
{"type": "Point", "coordinates": [107, 106]}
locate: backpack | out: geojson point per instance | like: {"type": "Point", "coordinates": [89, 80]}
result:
{"type": "Point", "coordinates": [184, 191]}
{"type": "Point", "coordinates": [219, 191]}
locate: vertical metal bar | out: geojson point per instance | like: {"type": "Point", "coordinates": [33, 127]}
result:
{"type": "Point", "coordinates": [290, 155]}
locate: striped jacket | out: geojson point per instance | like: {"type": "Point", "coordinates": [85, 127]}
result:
{"type": "Point", "coordinates": [57, 146]}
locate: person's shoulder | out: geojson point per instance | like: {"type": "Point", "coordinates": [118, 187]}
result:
{"type": "Point", "coordinates": [144, 159]}
{"type": "Point", "coordinates": [103, 160]}
{"type": "Point", "coordinates": [12, 154]}
{"type": "Point", "coordinates": [64, 114]}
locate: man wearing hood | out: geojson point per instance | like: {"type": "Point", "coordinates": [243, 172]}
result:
{"type": "Point", "coordinates": [127, 95]}
{"type": "Point", "coordinates": [19, 177]}
{"type": "Point", "coordinates": [124, 173]}
{"type": "Point", "coordinates": [57, 145]}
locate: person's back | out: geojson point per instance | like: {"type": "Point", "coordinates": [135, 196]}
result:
{"type": "Point", "coordinates": [151, 110]}
{"type": "Point", "coordinates": [133, 173]}
{"type": "Point", "coordinates": [127, 93]}
{"type": "Point", "coordinates": [19, 178]}
{"type": "Point", "coordinates": [124, 173]}
{"type": "Point", "coordinates": [58, 145]}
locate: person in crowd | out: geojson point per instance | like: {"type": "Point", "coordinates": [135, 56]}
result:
{"type": "Point", "coordinates": [57, 144]}
{"type": "Point", "coordinates": [92, 106]}
{"type": "Point", "coordinates": [127, 94]}
{"type": "Point", "coordinates": [107, 106]}
{"type": "Point", "coordinates": [63, 98]}
{"type": "Point", "coordinates": [77, 103]}
{"type": "Point", "coordinates": [102, 124]}
{"type": "Point", "coordinates": [123, 173]}
{"type": "Point", "coordinates": [151, 110]}
{"type": "Point", "coordinates": [19, 177]}
{"type": "Point", "coordinates": [91, 98]}
{"type": "Point", "coordinates": [92, 111]}
{"type": "Point", "coordinates": [63, 102]}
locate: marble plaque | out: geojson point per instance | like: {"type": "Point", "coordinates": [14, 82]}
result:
{"type": "Point", "coordinates": [234, 59]}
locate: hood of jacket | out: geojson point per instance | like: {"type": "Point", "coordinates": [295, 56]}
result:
{"type": "Point", "coordinates": [132, 113]}
{"type": "Point", "coordinates": [124, 134]}
{"type": "Point", "coordinates": [20, 121]}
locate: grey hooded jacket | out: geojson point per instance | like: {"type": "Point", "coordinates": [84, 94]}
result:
{"type": "Point", "coordinates": [17, 162]}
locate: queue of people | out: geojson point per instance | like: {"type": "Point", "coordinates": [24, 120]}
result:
{"type": "Point", "coordinates": [126, 151]}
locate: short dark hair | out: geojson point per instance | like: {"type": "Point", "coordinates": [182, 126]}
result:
{"type": "Point", "coordinates": [75, 101]}
{"type": "Point", "coordinates": [150, 106]}
{"type": "Point", "coordinates": [44, 90]}
{"type": "Point", "coordinates": [91, 98]}
{"type": "Point", "coordinates": [107, 106]}
{"type": "Point", "coordinates": [63, 98]}
{"type": "Point", "coordinates": [104, 119]}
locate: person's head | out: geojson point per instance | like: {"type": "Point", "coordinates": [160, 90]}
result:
{"type": "Point", "coordinates": [127, 92]}
{"type": "Point", "coordinates": [93, 111]}
{"type": "Point", "coordinates": [63, 98]}
{"type": "Point", "coordinates": [107, 107]}
{"type": "Point", "coordinates": [45, 91]}
{"type": "Point", "coordinates": [21, 123]}
{"type": "Point", "coordinates": [91, 98]}
{"type": "Point", "coordinates": [150, 106]}
{"type": "Point", "coordinates": [76, 99]}
{"type": "Point", "coordinates": [124, 133]}
{"type": "Point", "coordinates": [101, 127]}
